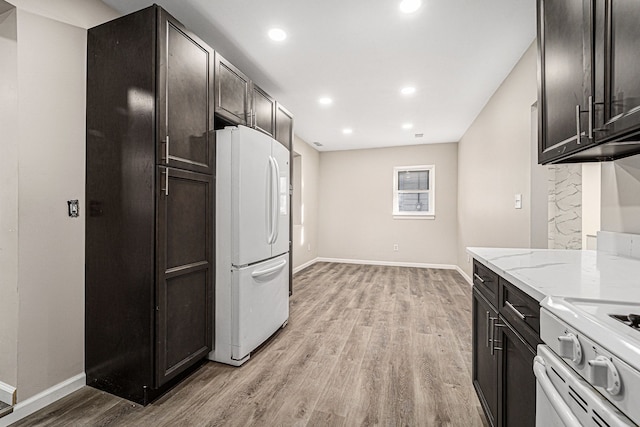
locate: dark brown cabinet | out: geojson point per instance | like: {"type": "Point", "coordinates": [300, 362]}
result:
{"type": "Point", "coordinates": [517, 383]}
{"type": "Point", "coordinates": [150, 194]}
{"type": "Point", "coordinates": [620, 34]}
{"type": "Point", "coordinates": [485, 360]}
{"type": "Point", "coordinates": [263, 111]}
{"type": "Point", "coordinates": [565, 89]}
{"type": "Point", "coordinates": [589, 91]}
{"type": "Point", "coordinates": [504, 343]}
{"type": "Point", "coordinates": [232, 94]}
{"type": "Point", "coordinates": [284, 126]}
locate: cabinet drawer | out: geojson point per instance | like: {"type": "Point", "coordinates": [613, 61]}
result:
{"type": "Point", "coordinates": [521, 311]}
{"type": "Point", "coordinates": [486, 281]}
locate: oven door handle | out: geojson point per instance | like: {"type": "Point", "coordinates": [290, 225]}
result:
{"type": "Point", "coordinates": [563, 410]}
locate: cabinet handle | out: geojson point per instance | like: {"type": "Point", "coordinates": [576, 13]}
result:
{"type": "Point", "coordinates": [578, 126]}
{"type": "Point", "coordinates": [166, 182]}
{"type": "Point", "coordinates": [515, 310]}
{"type": "Point", "coordinates": [478, 277]}
{"type": "Point", "coordinates": [590, 111]}
{"type": "Point", "coordinates": [166, 153]}
{"type": "Point", "coordinates": [488, 341]}
{"type": "Point", "coordinates": [493, 336]}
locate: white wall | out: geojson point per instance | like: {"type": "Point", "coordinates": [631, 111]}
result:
{"type": "Point", "coordinates": [494, 164]}
{"type": "Point", "coordinates": [43, 167]}
{"type": "Point", "coordinates": [305, 234]}
{"type": "Point", "coordinates": [591, 199]}
{"type": "Point", "coordinates": [355, 211]}
{"type": "Point", "coordinates": [621, 195]}
{"type": "Point", "coordinates": [81, 13]}
{"type": "Point", "coordinates": [8, 198]}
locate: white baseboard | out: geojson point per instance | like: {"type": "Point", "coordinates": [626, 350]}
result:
{"type": "Point", "coordinates": [42, 399]}
{"type": "Point", "coordinates": [388, 263]}
{"type": "Point", "coordinates": [465, 275]}
{"type": "Point", "coordinates": [7, 394]}
{"type": "Point", "coordinates": [305, 265]}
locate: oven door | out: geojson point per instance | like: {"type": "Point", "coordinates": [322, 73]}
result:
{"type": "Point", "coordinates": [564, 399]}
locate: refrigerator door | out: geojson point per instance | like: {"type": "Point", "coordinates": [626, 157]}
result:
{"type": "Point", "coordinates": [251, 185]}
{"type": "Point", "coordinates": [280, 239]}
{"type": "Point", "coordinates": [260, 304]}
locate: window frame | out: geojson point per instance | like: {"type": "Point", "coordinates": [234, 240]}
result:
{"type": "Point", "coordinates": [431, 213]}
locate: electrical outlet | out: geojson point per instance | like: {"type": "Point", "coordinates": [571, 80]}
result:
{"type": "Point", "coordinates": [395, 247]}
{"type": "Point", "coordinates": [518, 201]}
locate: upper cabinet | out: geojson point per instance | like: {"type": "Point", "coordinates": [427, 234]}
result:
{"type": "Point", "coordinates": [621, 66]}
{"type": "Point", "coordinates": [263, 111]}
{"type": "Point", "coordinates": [185, 118]}
{"type": "Point", "coordinates": [284, 126]}
{"type": "Point", "coordinates": [239, 101]}
{"type": "Point", "coordinates": [589, 92]}
{"type": "Point", "coordinates": [232, 92]}
{"type": "Point", "coordinates": [565, 81]}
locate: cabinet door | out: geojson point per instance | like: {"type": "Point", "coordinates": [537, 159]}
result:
{"type": "Point", "coordinates": [565, 120]}
{"type": "Point", "coordinates": [485, 360]}
{"type": "Point", "coordinates": [517, 395]}
{"type": "Point", "coordinates": [232, 92]}
{"type": "Point", "coordinates": [263, 111]}
{"type": "Point", "coordinates": [184, 273]}
{"type": "Point", "coordinates": [185, 113]}
{"type": "Point", "coordinates": [284, 126]}
{"type": "Point", "coordinates": [622, 62]}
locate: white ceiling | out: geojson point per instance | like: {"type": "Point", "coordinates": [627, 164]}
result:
{"type": "Point", "coordinates": [361, 53]}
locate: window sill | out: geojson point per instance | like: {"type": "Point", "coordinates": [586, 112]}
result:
{"type": "Point", "coordinates": [414, 217]}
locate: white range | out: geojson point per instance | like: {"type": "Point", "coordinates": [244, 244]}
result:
{"type": "Point", "coordinates": [588, 369]}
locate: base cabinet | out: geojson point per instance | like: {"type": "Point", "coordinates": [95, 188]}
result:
{"type": "Point", "coordinates": [503, 353]}
{"type": "Point", "coordinates": [485, 359]}
{"type": "Point", "coordinates": [517, 384]}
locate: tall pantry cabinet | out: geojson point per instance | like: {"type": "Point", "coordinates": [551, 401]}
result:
{"type": "Point", "coordinates": [150, 197]}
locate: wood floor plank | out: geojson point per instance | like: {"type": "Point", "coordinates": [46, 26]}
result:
{"type": "Point", "coordinates": [365, 345]}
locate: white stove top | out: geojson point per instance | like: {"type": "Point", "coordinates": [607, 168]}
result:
{"type": "Point", "coordinates": [591, 317]}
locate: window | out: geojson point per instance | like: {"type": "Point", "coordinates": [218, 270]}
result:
{"type": "Point", "coordinates": [414, 191]}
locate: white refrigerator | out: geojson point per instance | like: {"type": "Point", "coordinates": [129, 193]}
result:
{"type": "Point", "coordinates": [252, 242]}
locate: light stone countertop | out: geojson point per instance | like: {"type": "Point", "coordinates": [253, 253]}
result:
{"type": "Point", "coordinates": [565, 273]}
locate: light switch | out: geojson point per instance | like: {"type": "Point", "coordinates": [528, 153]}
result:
{"type": "Point", "coordinates": [518, 201]}
{"type": "Point", "coordinates": [74, 208]}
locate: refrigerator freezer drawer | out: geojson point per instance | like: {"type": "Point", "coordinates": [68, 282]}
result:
{"type": "Point", "coordinates": [260, 303]}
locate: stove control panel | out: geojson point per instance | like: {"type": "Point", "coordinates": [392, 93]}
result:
{"type": "Point", "coordinates": [616, 380]}
{"type": "Point", "coordinates": [604, 374]}
{"type": "Point", "coordinates": [570, 348]}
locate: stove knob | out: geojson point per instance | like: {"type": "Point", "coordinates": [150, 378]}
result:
{"type": "Point", "coordinates": [604, 374]}
{"type": "Point", "coordinates": [570, 348]}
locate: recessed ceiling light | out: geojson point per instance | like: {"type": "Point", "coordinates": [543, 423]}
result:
{"type": "Point", "coordinates": [277, 34]}
{"type": "Point", "coordinates": [409, 90]}
{"type": "Point", "coordinates": [325, 100]}
{"type": "Point", "coordinates": [407, 126]}
{"type": "Point", "coordinates": [347, 131]}
{"type": "Point", "coordinates": [410, 6]}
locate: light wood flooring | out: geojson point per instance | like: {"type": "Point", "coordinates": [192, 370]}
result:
{"type": "Point", "coordinates": [365, 345]}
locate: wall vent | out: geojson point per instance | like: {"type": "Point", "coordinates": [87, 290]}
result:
{"type": "Point", "coordinates": [419, 135]}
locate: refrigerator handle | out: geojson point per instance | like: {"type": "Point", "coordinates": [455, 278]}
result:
{"type": "Point", "coordinates": [269, 270]}
{"type": "Point", "coordinates": [270, 202]}
{"type": "Point", "coordinates": [276, 193]}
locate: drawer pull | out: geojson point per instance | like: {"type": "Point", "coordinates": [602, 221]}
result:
{"type": "Point", "coordinates": [477, 276]}
{"type": "Point", "coordinates": [516, 311]}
